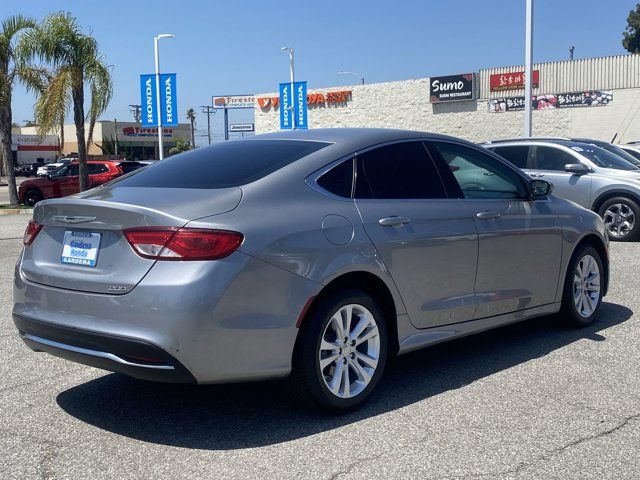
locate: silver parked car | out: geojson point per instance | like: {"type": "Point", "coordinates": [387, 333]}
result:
{"type": "Point", "coordinates": [584, 173]}
{"type": "Point", "coordinates": [313, 255]}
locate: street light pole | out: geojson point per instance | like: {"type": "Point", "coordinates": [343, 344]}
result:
{"type": "Point", "coordinates": [528, 74]}
{"type": "Point", "coordinates": [354, 74]}
{"type": "Point", "coordinates": [291, 71]}
{"type": "Point", "coordinates": [159, 109]}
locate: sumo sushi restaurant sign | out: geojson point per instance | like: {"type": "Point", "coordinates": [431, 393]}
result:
{"type": "Point", "coordinates": [452, 88]}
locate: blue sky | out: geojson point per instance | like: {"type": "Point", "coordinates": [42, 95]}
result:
{"type": "Point", "coordinates": [226, 47]}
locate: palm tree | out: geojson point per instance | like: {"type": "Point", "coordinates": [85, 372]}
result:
{"type": "Point", "coordinates": [13, 67]}
{"type": "Point", "coordinates": [191, 115]}
{"type": "Point", "coordinates": [182, 145]}
{"type": "Point", "coordinates": [78, 64]}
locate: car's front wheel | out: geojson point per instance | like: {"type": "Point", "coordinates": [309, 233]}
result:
{"type": "Point", "coordinates": [621, 218]}
{"type": "Point", "coordinates": [583, 287]}
{"type": "Point", "coordinates": [340, 353]}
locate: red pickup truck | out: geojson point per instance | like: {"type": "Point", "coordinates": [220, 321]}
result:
{"type": "Point", "coordinates": [65, 181]}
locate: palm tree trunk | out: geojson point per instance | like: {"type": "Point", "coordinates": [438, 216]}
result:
{"type": "Point", "coordinates": [5, 148]}
{"type": "Point", "coordinates": [78, 118]}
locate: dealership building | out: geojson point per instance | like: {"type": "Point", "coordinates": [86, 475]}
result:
{"type": "Point", "coordinates": [132, 140]}
{"type": "Point", "coordinates": [594, 97]}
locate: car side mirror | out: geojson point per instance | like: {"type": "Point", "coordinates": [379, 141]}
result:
{"type": "Point", "coordinates": [577, 168]}
{"type": "Point", "coordinates": [540, 188]}
{"type": "Point", "coordinates": [49, 176]}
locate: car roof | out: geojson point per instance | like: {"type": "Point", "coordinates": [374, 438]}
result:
{"type": "Point", "coordinates": [351, 138]}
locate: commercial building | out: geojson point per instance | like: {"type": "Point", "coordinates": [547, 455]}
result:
{"type": "Point", "coordinates": [28, 149]}
{"type": "Point", "coordinates": [594, 97]}
{"type": "Point", "coordinates": [128, 139]}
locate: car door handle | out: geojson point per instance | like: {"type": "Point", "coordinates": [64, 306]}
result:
{"type": "Point", "coordinates": [536, 174]}
{"type": "Point", "coordinates": [487, 215]}
{"type": "Point", "coordinates": [393, 221]}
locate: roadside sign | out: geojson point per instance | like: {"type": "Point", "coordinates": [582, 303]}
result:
{"type": "Point", "coordinates": [168, 100]}
{"type": "Point", "coordinates": [148, 100]}
{"type": "Point", "coordinates": [241, 127]}
{"type": "Point", "coordinates": [286, 115]}
{"type": "Point", "coordinates": [298, 113]}
{"type": "Point", "coordinates": [234, 101]}
{"type": "Point", "coordinates": [300, 105]}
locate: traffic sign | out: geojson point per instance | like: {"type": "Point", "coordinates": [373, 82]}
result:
{"type": "Point", "coordinates": [241, 127]}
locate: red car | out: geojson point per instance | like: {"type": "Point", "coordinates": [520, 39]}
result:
{"type": "Point", "coordinates": [65, 181]}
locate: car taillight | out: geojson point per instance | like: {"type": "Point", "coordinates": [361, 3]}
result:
{"type": "Point", "coordinates": [30, 233]}
{"type": "Point", "coordinates": [168, 243]}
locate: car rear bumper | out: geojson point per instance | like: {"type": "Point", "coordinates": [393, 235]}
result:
{"type": "Point", "coordinates": [213, 322]}
{"type": "Point", "coordinates": [118, 354]}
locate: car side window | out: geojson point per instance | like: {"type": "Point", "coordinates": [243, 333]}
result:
{"type": "Point", "coordinates": [480, 175]}
{"type": "Point", "coordinates": [549, 158]}
{"type": "Point", "coordinates": [516, 154]}
{"type": "Point", "coordinates": [95, 168]}
{"type": "Point", "coordinates": [398, 171]}
{"type": "Point", "coordinates": [338, 180]}
{"type": "Point", "coordinates": [72, 170]}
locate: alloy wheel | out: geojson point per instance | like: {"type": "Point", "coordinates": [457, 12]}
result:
{"type": "Point", "coordinates": [619, 220]}
{"type": "Point", "coordinates": [586, 286]}
{"type": "Point", "coordinates": [349, 351]}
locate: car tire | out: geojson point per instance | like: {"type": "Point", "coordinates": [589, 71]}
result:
{"type": "Point", "coordinates": [621, 216]}
{"type": "Point", "coordinates": [32, 196]}
{"type": "Point", "coordinates": [582, 294]}
{"type": "Point", "coordinates": [318, 379]}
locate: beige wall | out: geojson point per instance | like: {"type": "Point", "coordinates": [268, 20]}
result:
{"type": "Point", "coordinates": [405, 104]}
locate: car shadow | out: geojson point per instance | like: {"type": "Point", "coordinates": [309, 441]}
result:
{"type": "Point", "coordinates": [224, 417]}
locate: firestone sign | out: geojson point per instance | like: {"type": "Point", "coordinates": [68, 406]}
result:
{"type": "Point", "coordinates": [234, 101]}
{"type": "Point", "coordinates": [452, 88]}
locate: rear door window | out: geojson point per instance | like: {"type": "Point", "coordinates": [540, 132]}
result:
{"type": "Point", "coordinates": [95, 168]}
{"type": "Point", "coordinates": [516, 154]}
{"type": "Point", "coordinates": [227, 164]}
{"type": "Point", "coordinates": [398, 171]}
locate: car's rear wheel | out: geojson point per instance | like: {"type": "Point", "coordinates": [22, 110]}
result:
{"type": "Point", "coordinates": [621, 217]}
{"type": "Point", "coordinates": [341, 352]}
{"type": "Point", "coordinates": [584, 281]}
{"type": "Point", "coordinates": [32, 196]}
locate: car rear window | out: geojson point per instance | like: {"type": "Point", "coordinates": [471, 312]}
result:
{"type": "Point", "coordinates": [228, 164]}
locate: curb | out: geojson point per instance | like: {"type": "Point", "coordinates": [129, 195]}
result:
{"type": "Point", "coordinates": [16, 211]}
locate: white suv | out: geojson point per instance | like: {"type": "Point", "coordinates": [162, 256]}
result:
{"type": "Point", "coordinates": [585, 174]}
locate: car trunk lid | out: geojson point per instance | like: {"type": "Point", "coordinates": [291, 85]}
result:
{"type": "Point", "coordinates": [107, 212]}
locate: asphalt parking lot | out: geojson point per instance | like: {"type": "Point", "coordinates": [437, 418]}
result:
{"type": "Point", "coordinates": [532, 400]}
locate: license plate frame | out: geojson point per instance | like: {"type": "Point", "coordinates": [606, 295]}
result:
{"type": "Point", "coordinates": [80, 248]}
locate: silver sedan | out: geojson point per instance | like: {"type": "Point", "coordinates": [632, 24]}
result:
{"type": "Point", "coordinates": [309, 255]}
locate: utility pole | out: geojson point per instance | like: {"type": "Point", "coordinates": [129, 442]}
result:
{"type": "Point", "coordinates": [528, 74]}
{"type": "Point", "coordinates": [571, 49]}
{"type": "Point", "coordinates": [208, 110]}
{"type": "Point", "coordinates": [137, 112]}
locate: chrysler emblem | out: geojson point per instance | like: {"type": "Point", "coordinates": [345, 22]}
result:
{"type": "Point", "coordinates": [65, 219]}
